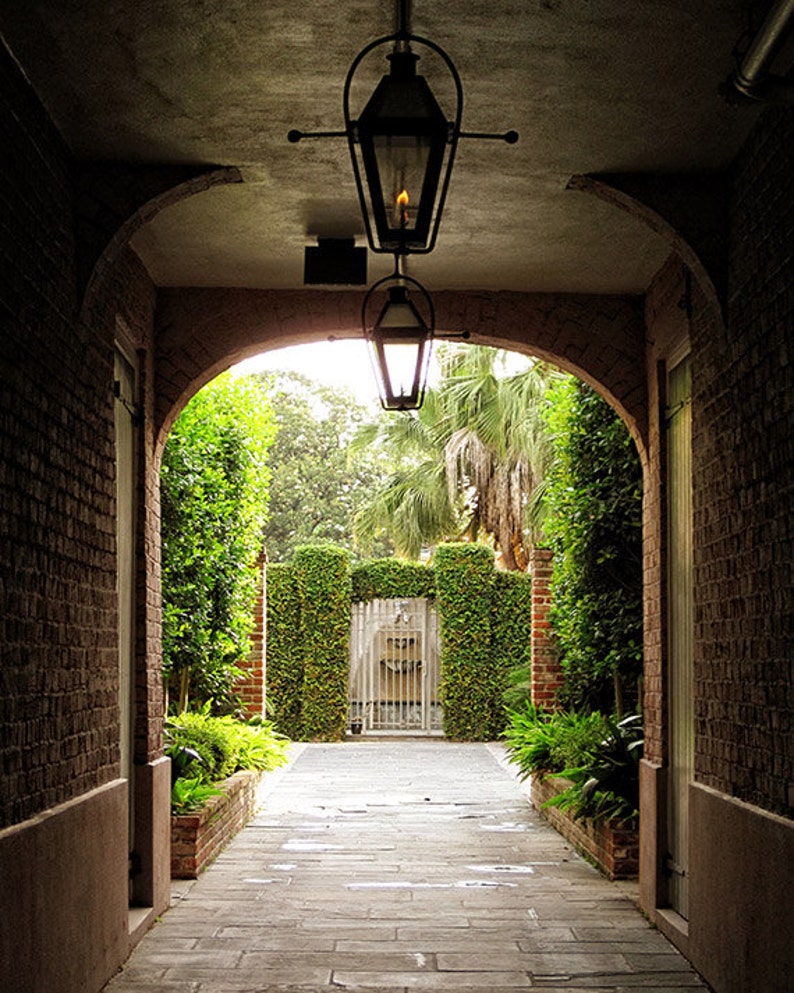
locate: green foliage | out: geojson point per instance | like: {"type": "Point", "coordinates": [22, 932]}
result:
{"type": "Point", "coordinates": [317, 485]}
{"type": "Point", "coordinates": [593, 524]}
{"type": "Point", "coordinates": [284, 650]}
{"type": "Point", "coordinates": [188, 795]}
{"type": "Point", "coordinates": [214, 484]}
{"type": "Point", "coordinates": [410, 506]}
{"type": "Point", "coordinates": [204, 750]}
{"type": "Point", "coordinates": [470, 687]}
{"type": "Point", "coordinates": [221, 746]}
{"type": "Point", "coordinates": [323, 586]}
{"type": "Point", "coordinates": [511, 629]}
{"type": "Point", "coordinates": [466, 463]}
{"type": "Point", "coordinates": [599, 755]}
{"type": "Point", "coordinates": [541, 743]}
{"type": "Point", "coordinates": [606, 787]}
{"type": "Point", "coordinates": [484, 622]}
{"type": "Point", "coordinates": [390, 579]}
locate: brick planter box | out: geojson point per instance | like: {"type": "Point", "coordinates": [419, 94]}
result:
{"type": "Point", "coordinates": [614, 846]}
{"type": "Point", "coordinates": [198, 837]}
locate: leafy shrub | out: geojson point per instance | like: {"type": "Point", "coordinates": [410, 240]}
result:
{"type": "Point", "coordinates": [519, 687]}
{"type": "Point", "coordinates": [593, 523]}
{"type": "Point", "coordinates": [206, 749]}
{"type": "Point", "coordinates": [323, 587]}
{"type": "Point", "coordinates": [214, 485]}
{"type": "Point", "coordinates": [471, 689]}
{"type": "Point", "coordinates": [543, 743]}
{"type": "Point", "coordinates": [598, 754]}
{"type": "Point", "coordinates": [607, 787]}
{"type": "Point", "coordinates": [392, 579]}
{"type": "Point", "coordinates": [511, 635]}
{"type": "Point", "coordinates": [284, 650]}
{"type": "Point", "coordinates": [188, 795]}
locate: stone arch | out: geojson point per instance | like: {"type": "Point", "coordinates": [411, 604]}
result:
{"type": "Point", "coordinates": [200, 332]}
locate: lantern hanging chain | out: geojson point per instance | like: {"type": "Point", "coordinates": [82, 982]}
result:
{"type": "Point", "coordinates": [403, 18]}
{"type": "Point", "coordinates": [403, 35]}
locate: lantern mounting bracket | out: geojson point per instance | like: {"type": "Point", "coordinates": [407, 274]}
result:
{"type": "Point", "coordinates": [402, 144]}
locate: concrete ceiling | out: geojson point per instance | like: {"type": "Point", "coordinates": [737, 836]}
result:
{"type": "Point", "coordinates": [592, 86]}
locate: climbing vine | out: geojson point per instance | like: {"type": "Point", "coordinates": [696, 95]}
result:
{"type": "Point", "coordinates": [323, 589]}
{"type": "Point", "coordinates": [464, 585]}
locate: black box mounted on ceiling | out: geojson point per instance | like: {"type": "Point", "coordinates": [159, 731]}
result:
{"type": "Point", "coordinates": [336, 262]}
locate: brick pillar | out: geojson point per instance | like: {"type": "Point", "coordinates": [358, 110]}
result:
{"type": "Point", "coordinates": [251, 686]}
{"type": "Point", "coordinates": [547, 677]}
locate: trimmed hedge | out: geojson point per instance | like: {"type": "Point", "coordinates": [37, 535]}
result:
{"type": "Point", "coordinates": [485, 619]}
{"type": "Point", "coordinates": [284, 653]}
{"type": "Point", "coordinates": [392, 579]}
{"type": "Point", "coordinates": [464, 585]}
{"type": "Point", "coordinates": [323, 586]}
{"type": "Point", "coordinates": [511, 633]}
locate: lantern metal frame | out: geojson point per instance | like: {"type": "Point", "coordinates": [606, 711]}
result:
{"type": "Point", "coordinates": [382, 238]}
{"type": "Point", "coordinates": [379, 335]}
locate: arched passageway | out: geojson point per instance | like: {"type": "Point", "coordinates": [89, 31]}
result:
{"type": "Point", "coordinates": [89, 167]}
{"type": "Point", "coordinates": [619, 345]}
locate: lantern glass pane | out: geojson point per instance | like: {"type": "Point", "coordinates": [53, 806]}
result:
{"type": "Point", "coordinates": [402, 164]}
{"type": "Point", "coordinates": [403, 367]}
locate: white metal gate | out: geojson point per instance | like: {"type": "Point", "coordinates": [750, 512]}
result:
{"type": "Point", "coordinates": [394, 666]}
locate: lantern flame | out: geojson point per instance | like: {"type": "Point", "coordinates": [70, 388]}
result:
{"type": "Point", "coordinates": [403, 198]}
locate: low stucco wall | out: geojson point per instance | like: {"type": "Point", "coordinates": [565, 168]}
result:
{"type": "Point", "coordinates": [741, 931]}
{"type": "Point", "coordinates": [63, 898]}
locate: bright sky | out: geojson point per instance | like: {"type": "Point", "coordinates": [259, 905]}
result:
{"type": "Point", "coordinates": [333, 363]}
{"type": "Point", "coordinates": [339, 363]}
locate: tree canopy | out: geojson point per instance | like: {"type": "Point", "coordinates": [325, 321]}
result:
{"type": "Point", "coordinates": [316, 486]}
{"type": "Point", "coordinates": [215, 487]}
{"type": "Point", "coordinates": [466, 464]}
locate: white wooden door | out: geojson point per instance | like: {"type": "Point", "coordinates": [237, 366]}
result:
{"type": "Point", "coordinates": [680, 632]}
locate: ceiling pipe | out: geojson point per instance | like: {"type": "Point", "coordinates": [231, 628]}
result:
{"type": "Point", "coordinates": [751, 77]}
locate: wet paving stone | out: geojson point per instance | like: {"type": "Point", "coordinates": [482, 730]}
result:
{"type": "Point", "coordinates": [397, 865]}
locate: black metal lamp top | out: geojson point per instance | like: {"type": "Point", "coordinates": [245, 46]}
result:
{"type": "Point", "coordinates": [402, 145]}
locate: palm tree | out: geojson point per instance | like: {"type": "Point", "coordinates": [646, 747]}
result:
{"type": "Point", "coordinates": [467, 463]}
{"type": "Point", "coordinates": [413, 507]}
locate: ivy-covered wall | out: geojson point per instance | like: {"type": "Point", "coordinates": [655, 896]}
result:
{"type": "Point", "coordinates": [284, 656]}
{"type": "Point", "coordinates": [464, 584]}
{"type": "Point", "coordinates": [323, 589]}
{"type": "Point", "coordinates": [511, 629]}
{"type": "Point", "coordinates": [485, 620]}
{"type": "Point", "coordinates": [392, 579]}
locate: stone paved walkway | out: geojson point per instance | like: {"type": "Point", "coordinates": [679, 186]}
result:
{"type": "Point", "coordinates": [395, 866]}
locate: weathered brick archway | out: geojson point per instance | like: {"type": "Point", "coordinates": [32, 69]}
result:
{"type": "Point", "coordinates": [601, 339]}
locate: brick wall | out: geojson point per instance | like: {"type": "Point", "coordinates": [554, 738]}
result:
{"type": "Point", "coordinates": [58, 679]}
{"type": "Point", "coordinates": [251, 687]}
{"type": "Point", "coordinates": [547, 677]}
{"type": "Point", "coordinates": [200, 331]}
{"type": "Point", "coordinates": [614, 846]}
{"type": "Point", "coordinates": [743, 399]}
{"type": "Point", "coordinates": [196, 839]}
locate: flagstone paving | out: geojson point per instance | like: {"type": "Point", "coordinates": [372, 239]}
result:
{"type": "Point", "coordinates": [398, 865]}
